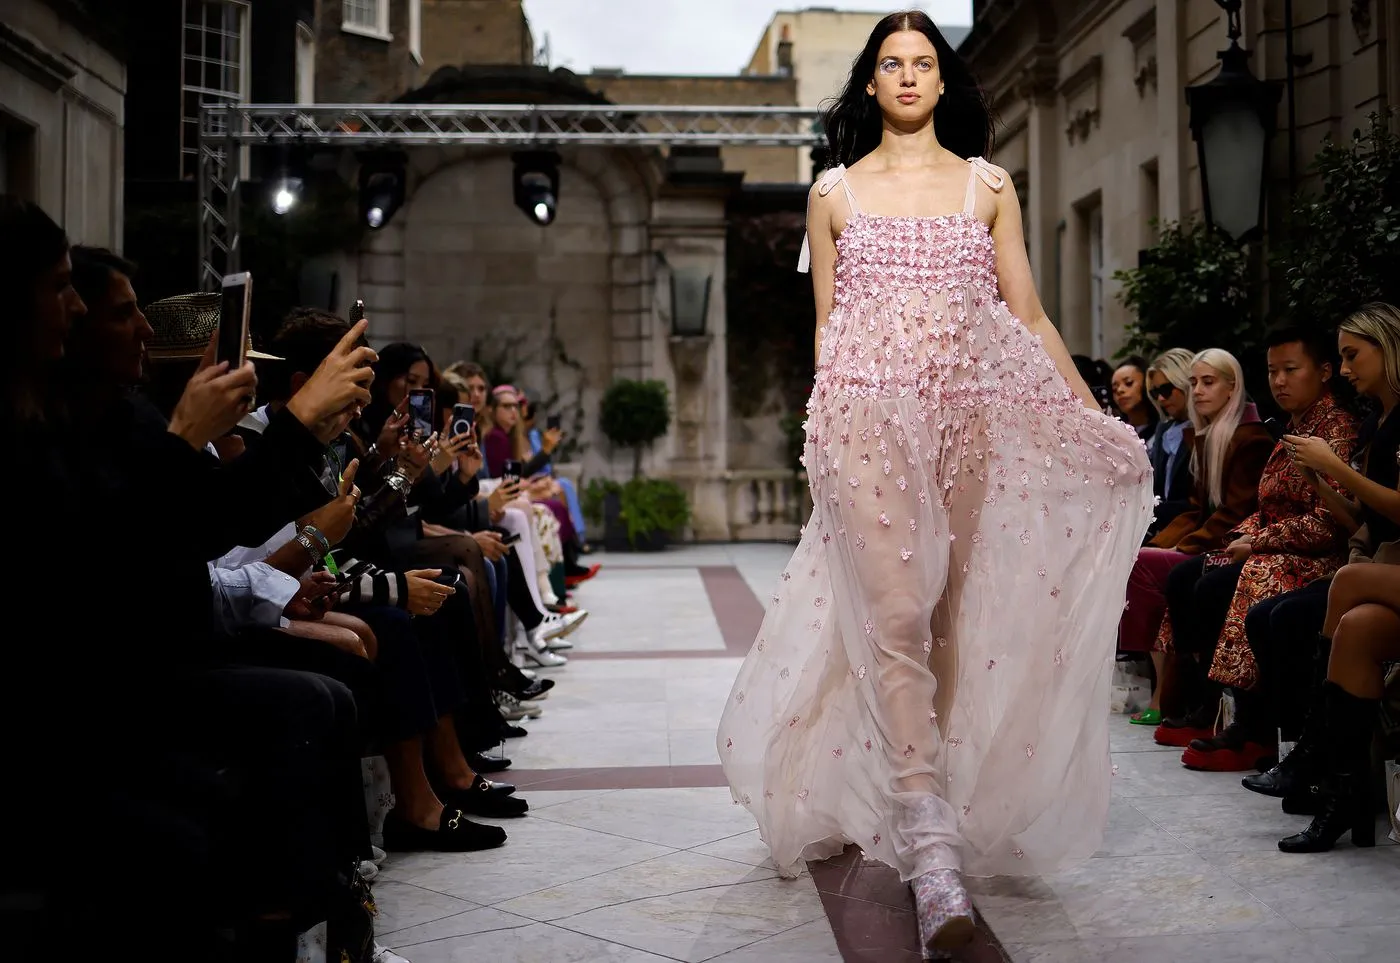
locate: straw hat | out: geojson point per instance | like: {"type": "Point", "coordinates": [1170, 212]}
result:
{"type": "Point", "coordinates": [183, 326]}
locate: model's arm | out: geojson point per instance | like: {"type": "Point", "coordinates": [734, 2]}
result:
{"type": "Point", "coordinates": [1018, 289]}
{"type": "Point", "coordinates": [822, 241]}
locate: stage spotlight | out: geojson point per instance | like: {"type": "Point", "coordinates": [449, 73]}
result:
{"type": "Point", "coordinates": [537, 185]}
{"type": "Point", "coordinates": [382, 186]}
{"type": "Point", "coordinates": [286, 194]}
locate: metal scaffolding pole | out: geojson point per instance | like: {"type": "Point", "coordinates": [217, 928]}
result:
{"type": "Point", "coordinates": [224, 129]}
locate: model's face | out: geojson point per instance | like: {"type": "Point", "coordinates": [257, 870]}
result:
{"type": "Point", "coordinates": [1171, 398]}
{"type": "Point", "coordinates": [907, 81]}
{"type": "Point", "coordinates": [1362, 364]}
{"type": "Point", "coordinates": [1127, 388]}
{"type": "Point", "coordinates": [1295, 379]}
{"type": "Point", "coordinates": [1210, 390]}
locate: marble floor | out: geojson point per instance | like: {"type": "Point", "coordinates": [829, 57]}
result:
{"type": "Point", "coordinates": [633, 851]}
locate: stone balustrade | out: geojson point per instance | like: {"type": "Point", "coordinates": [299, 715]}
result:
{"type": "Point", "coordinates": [767, 505]}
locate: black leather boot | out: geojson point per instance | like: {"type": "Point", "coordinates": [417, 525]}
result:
{"type": "Point", "coordinates": [1296, 772]}
{"type": "Point", "coordinates": [1345, 802]}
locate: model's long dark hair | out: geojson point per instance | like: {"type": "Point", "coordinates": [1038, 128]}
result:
{"type": "Point", "coordinates": [962, 120]}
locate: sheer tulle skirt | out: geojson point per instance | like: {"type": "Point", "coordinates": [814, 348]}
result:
{"type": "Point", "coordinates": [931, 681]}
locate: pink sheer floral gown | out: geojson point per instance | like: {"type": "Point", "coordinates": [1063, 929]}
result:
{"type": "Point", "coordinates": [931, 681]}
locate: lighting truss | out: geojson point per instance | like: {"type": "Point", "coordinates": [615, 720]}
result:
{"type": "Point", "coordinates": [227, 128]}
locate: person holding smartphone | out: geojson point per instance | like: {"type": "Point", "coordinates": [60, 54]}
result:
{"type": "Point", "coordinates": [136, 653]}
{"type": "Point", "coordinates": [547, 442]}
{"type": "Point", "coordinates": [1229, 446]}
{"type": "Point", "coordinates": [1291, 540]}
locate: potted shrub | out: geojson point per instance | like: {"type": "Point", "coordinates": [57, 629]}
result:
{"type": "Point", "coordinates": [642, 513]}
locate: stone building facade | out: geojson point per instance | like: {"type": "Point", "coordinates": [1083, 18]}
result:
{"type": "Point", "coordinates": [62, 84]}
{"type": "Point", "coordinates": [1094, 127]}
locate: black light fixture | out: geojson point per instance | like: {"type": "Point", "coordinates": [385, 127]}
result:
{"type": "Point", "coordinates": [1233, 115]}
{"type": "Point", "coordinates": [537, 185]}
{"type": "Point", "coordinates": [383, 180]}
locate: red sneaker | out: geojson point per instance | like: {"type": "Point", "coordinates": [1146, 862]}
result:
{"type": "Point", "coordinates": [1230, 750]}
{"type": "Point", "coordinates": [1179, 737]}
{"type": "Point", "coordinates": [571, 580]}
{"type": "Point", "coordinates": [1244, 759]}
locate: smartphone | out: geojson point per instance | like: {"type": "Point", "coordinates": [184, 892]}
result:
{"type": "Point", "coordinates": [1217, 559]}
{"type": "Point", "coordinates": [420, 411]}
{"type": "Point", "coordinates": [340, 454]}
{"type": "Point", "coordinates": [463, 419]}
{"type": "Point", "coordinates": [357, 311]}
{"type": "Point", "coordinates": [1276, 428]}
{"type": "Point", "coordinates": [554, 423]}
{"type": "Point", "coordinates": [510, 539]}
{"type": "Point", "coordinates": [513, 470]}
{"type": "Point", "coordinates": [232, 345]}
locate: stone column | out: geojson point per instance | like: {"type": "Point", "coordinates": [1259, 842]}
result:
{"type": "Point", "coordinates": [1173, 195]}
{"type": "Point", "coordinates": [1037, 86]}
{"type": "Point", "coordinates": [688, 229]}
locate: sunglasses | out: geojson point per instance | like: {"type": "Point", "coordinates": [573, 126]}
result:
{"type": "Point", "coordinates": [1163, 391]}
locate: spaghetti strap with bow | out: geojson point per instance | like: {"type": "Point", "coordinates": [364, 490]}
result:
{"type": "Point", "coordinates": [991, 176]}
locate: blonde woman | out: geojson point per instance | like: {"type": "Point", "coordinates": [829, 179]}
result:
{"type": "Point", "coordinates": [1169, 390]}
{"type": "Point", "coordinates": [1360, 628]}
{"type": "Point", "coordinates": [1229, 446]}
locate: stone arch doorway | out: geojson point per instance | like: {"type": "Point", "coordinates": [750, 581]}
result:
{"type": "Point", "coordinates": [561, 310]}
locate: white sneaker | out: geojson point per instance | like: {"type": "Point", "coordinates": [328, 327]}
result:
{"type": "Point", "coordinates": [536, 650]}
{"type": "Point", "coordinates": [377, 855]}
{"type": "Point", "coordinates": [556, 626]}
{"type": "Point", "coordinates": [368, 870]}
{"type": "Point", "coordinates": [382, 954]}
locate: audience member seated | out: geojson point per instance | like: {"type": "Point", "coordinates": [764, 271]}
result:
{"type": "Point", "coordinates": [507, 441]}
{"type": "Point", "coordinates": [1363, 622]}
{"type": "Point", "coordinates": [1169, 383]}
{"type": "Point", "coordinates": [1290, 541]}
{"type": "Point", "coordinates": [1292, 626]}
{"type": "Point", "coordinates": [543, 444]}
{"type": "Point", "coordinates": [217, 759]}
{"type": "Point", "coordinates": [1228, 447]}
{"type": "Point", "coordinates": [1130, 399]}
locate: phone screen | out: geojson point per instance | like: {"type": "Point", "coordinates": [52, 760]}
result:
{"type": "Point", "coordinates": [463, 419]}
{"type": "Point", "coordinates": [233, 320]}
{"type": "Point", "coordinates": [1276, 429]}
{"type": "Point", "coordinates": [554, 423]}
{"type": "Point", "coordinates": [420, 407]}
{"type": "Point", "coordinates": [513, 469]}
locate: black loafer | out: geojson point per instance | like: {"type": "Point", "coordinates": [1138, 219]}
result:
{"type": "Point", "coordinates": [455, 834]}
{"type": "Point", "coordinates": [480, 763]}
{"type": "Point", "coordinates": [486, 799]}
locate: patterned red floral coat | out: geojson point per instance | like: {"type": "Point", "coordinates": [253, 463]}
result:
{"type": "Point", "coordinates": [1296, 540]}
